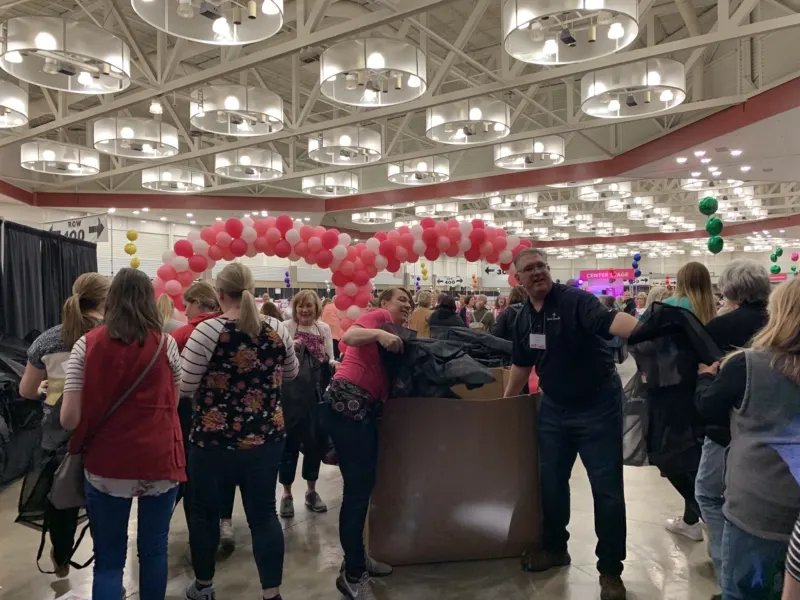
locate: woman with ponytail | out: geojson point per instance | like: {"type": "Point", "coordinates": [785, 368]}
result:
{"type": "Point", "coordinates": [166, 308]}
{"type": "Point", "coordinates": [233, 367]}
{"type": "Point", "coordinates": [46, 358]}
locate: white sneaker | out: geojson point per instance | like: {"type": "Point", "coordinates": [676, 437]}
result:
{"type": "Point", "coordinates": [360, 590]}
{"type": "Point", "coordinates": [192, 593]}
{"type": "Point", "coordinates": [679, 526]}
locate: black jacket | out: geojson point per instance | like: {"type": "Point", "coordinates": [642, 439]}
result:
{"type": "Point", "coordinates": [504, 327]}
{"type": "Point", "coordinates": [444, 317]}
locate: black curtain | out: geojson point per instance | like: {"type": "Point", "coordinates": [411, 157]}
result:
{"type": "Point", "coordinates": [39, 268]}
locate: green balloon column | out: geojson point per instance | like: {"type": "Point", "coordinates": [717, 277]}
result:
{"type": "Point", "coordinates": [775, 268]}
{"type": "Point", "coordinates": [708, 206]}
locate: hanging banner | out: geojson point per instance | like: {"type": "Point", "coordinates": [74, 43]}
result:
{"type": "Point", "coordinates": [90, 229]}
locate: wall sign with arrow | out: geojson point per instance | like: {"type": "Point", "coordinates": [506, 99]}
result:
{"type": "Point", "coordinates": [494, 271]}
{"type": "Point", "coordinates": [449, 281]}
{"type": "Point", "coordinates": [91, 229]}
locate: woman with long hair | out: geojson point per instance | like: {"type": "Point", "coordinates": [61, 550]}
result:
{"type": "Point", "coordinates": [354, 402]}
{"type": "Point", "coordinates": [233, 367]}
{"type": "Point", "coordinates": [760, 389]}
{"type": "Point", "coordinates": [82, 312]}
{"type": "Point", "coordinates": [657, 293]}
{"type": "Point", "coordinates": [693, 292]}
{"type": "Point", "coordinates": [137, 451]}
{"type": "Point", "coordinates": [501, 304]}
{"type": "Point", "coordinates": [268, 309]}
{"type": "Point", "coordinates": [166, 309]}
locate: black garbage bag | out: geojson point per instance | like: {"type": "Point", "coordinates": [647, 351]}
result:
{"type": "Point", "coordinates": [635, 424]}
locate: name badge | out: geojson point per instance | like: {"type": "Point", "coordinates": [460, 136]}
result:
{"type": "Point", "coordinates": [537, 341]}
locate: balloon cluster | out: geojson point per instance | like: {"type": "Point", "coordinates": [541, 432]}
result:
{"type": "Point", "coordinates": [775, 268]}
{"type": "Point", "coordinates": [423, 270]}
{"type": "Point", "coordinates": [794, 258]}
{"type": "Point", "coordinates": [286, 279]}
{"type": "Point", "coordinates": [637, 258]}
{"type": "Point", "coordinates": [353, 266]}
{"type": "Point", "coordinates": [474, 281]}
{"type": "Point", "coordinates": [708, 206]}
{"type": "Point", "coordinates": [130, 248]}
{"type": "Point", "coordinates": [417, 283]}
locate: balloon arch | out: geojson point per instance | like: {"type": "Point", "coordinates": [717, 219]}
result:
{"type": "Point", "coordinates": [352, 265]}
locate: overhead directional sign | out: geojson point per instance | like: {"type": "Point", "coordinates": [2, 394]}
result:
{"type": "Point", "coordinates": [90, 229]}
{"type": "Point", "coordinates": [449, 281]}
{"type": "Point", "coordinates": [494, 271]}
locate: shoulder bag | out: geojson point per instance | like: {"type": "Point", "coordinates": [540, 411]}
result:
{"type": "Point", "coordinates": [68, 483]}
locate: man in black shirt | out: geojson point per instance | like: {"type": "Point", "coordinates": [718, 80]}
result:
{"type": "Point", "coordinates": [562, 331]}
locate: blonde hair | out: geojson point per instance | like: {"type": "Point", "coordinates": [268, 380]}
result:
{"type": "Point", "coordinates": [300, 298]}
{"type": "Point", "coordinates": [203, 293]}
{"type": "Point", "coordinates": [89, 293]}
{"type": "Point", "coordinates": [236, 281]}
{"type": "Point", "coordinates": [658, 293]}
{"type": "Point", "coordinates": [166, 308]}
{"type": "Point", "coordinates": [694, 283]}
{"type": "Point", "coordinates": [781, 334]}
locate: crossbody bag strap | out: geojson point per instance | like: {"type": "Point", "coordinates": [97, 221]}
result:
{"type": "Point", "coordinates": [127, 393]}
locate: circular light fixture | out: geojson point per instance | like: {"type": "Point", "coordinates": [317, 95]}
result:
{"type": "Point", "coordinates": [573, 184]}
{"type": "Point", "coordinates": [135, 137]}
{"type": "Point", "coordinates": [643, 202]}
{"type": "Point", "coordinates": [536, 214]}
{"type": "Point", "coordinates": [444, 210]}
{"type": "Point", "coordinates": [13, 106]}
{"type": "Point", "coordinates": [511, 225]}
{"type": "Point", "coordinates": [72, 56]}
{"type": "Point", "coordinates": [605, 191]}
{"type": "Point", "coordinates": [249, 164]}
{"type": "Point", "coordinates": [377, 217]}
{"type": "Point", "coordinates": [479, 196]}
{"type": "Point", "coordinates": [708, 185]}
{"type": "Point", "coordinates": [44, 156]}
{"type": "Point", "coordinates": [636, 214]}
{"type": "Point", "coordinates": [237, 110]}
{"type": "Point", "coordinates": [353, 145]}
{"type": "Point", "coordinates": [617, 205]}
{"type": "Point", "coordinates": [514, 201]}
{"type": "Point", "coordinates": [220, 22]}
{"type": "Point", "coordinates": [485, 217]}
{"type": "Point", "coordinates": [563, 221]}
{"type": "Point", "coordinates": [470, 121]}
{"type": "Point", "coordinates": [535, 153]}
{"type": "Point", "coordinates": [622, 231]}
{"type": "Point", "coordinates": [422, 171]}
{"type": "Point", "coordinates": [398, 206]}
{"type": "Point", "coordinates": [372, 72]}
{"type": "Point", "coordinates": [173, 179]}
{"type": "Point", "coordinates": [543, 32]}
{"type": "Point", "coordinates": [642, 88]}
{"type": "Point", "coordinates": [330, 185]}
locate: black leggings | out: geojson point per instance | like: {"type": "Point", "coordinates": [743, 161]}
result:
{"type": "Point", "coordinates": [684, 484]}
{"type": "Point", "coordinates": [62, 525]}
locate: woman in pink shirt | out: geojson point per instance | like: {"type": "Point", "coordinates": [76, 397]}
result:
{"type": "Point", "coordinates": [355, 402]}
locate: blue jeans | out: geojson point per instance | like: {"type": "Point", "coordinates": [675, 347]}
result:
{"type": "Point", "coordinates": [709, 488]}
{"type": "Point", "coordinates": [108, 520]}
{"type": "Point", "coordinates": [752, 567]}
{"type": "Point", "coordinates": [212, 471]}
{"type": "Point", "coordinates": [595, 432]}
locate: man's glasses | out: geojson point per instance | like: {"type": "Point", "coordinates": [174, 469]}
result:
{"type": "Point", "coordinates": [530, 268]}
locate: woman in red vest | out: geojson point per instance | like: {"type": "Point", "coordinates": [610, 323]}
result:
{"type": "Point", "coordinates": [138, 451]}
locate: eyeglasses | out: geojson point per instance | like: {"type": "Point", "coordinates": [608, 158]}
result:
{"type": "Point", "coordinates": [530, 268]}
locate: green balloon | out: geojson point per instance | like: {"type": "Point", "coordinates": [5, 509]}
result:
{"type": "Point", "coordinates": [708, 205]}
{"type": "Point", "coordinates": [715, 243]}
{"type": "Point", "coordinates": [775, 269]}
{"type": "Point", "coordinates": [773, 257]}
{"type": "Point", "coordinates": [794, 269]}
{"type": "Point", "coordinates": [779, 251]}
{"type": "Point", "coordinates": [714, 226]}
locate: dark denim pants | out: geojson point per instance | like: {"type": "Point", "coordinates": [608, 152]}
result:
{"type": "Point", "coordinates": [752, 567]}
{"type": "Point", "coordinates": [593, 431]}
{"type": "Point", "coordinates": [356, 444]}
{"type": "Point", "coordinates": [295, 438]}
{"type": "Point", "coordinates": [255, 471]}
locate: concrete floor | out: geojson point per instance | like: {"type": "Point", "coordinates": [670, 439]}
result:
{"type": "Point", "coordinates": [659, 565]}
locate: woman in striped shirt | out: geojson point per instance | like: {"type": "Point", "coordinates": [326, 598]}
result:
{"type": "Point", "coordinates": [233, 367]}
{"type": "Point", "coordinates": [791, 585]}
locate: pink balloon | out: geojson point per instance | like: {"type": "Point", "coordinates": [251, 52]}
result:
{"type": "Point", "coordinates": [183, 248]}
{"type": "Point", "coordinates": [401, 254]}
{"type": "Point", "coordinates": [283, 249]}
{"type": "Point", "coordinates": [346, 268]}
{"type": "Point", "coordinates": [224, 239]}
{"type": "Point", "coordinates": [234, 227]}
{"type": "Point", "coordinates": [441, 228]}
{"type": "Point", "coordinates": [453, 224]}
{"type": "Point", "coordinates": [208, 235]}
{"type": "Point", "coordinates": [273, 235]}
{"type": "Point", "coordinates": [167, 273]}
{"type": "Point", "coordinates": [185, 278]}
{"type": "Point", "coordinates": [387, 248]}
{"type": "Point", "coordinates": [270, 222]}
{"type": "Point", "coordinates": [324, 259]}
{"type": "Point", "coordinates": [238, 247]}
{"type": "Point", "coordinates": [795, 256]}
{"type": "Point", "coordinates": [173, 287]}
{"type": "Point", "coordinates": [500, 243]}
{"type": "Point", "coordinates": [342, 302]}
{"type": "Point", "coordinates": [330, 239]}
{"type": "Point", "coordinates": [368, 257]}
{"type": "Point", "coordinates": [198, 264]}
{"type": "Point", "coordinates": [284, 223]}
{"type": "Point", "coordinates": [261, 226]}
{"type": "Point", "coordinates": [261, 244]}
{"type": "Point", "coordinates": [346, 324]}
{"type": "Point", "coordinates": [306, 232]}
{"type": "Point", "coordinates": [362, 299]}
{"type": "Point", "coordinates": [314, 245]}
{"type": "Point", "coordinates": [158, 286]}
{"type": "Point", "coordinates": [301, 249]}
{"type": "Point", "coordinates": [360, 278]}
{"type": "Point", "coordinates": [215, 252]}
{"type": "Point", "coordinates": [218, 226]}
{"type": "Point", "coordinates": [443, 243]}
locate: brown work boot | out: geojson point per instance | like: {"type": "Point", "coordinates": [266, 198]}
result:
{"type": "Point", "coordinates": [611, 588]}
{"type": "Point", "coordinates": [544, 561]}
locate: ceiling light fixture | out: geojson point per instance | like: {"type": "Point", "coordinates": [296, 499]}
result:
{"type": "Point", "coordinates": [173, 179]}
{"type": "Point", "coordinates": [467, 122]}
{"type": "Point", "coordinates": [709, 185]}
{"type": "Point", "coordinates": [343, 183]}
{"type": "Point", "coordinates": [681, 160]}
{"type": "Point", "coordinates": [641, 88]}
{"type": "Point", "coordinates": [547, 33]}
{"type": "Point", "coordinates": [351, 145]}
{"type": "Point", "coordinates": [249, 164]}
{"type": "Point", "coordinates": [444, 210]}
{"type": "Point", "coordinates": [736, 152]}
{"type": "Point", "coordinates": [145, 209]}
{"type": "Point", "coordinates": [13, 106]}
{"type": "Point", "coordinates": [573, 184]}
{"type": "Point", "coordinates": [534, 153]}
{"type": "Point", "coordinates": [705, 160]}
{"type": "Point", "coordinates": [744, 168]}
{"type": "Point", "coordinates": [135, 137]}
{"type": "Point", "coordinates": [605, 191]}
{"type": "Point", "coordinates": [237, 110]}
{"type": "Point", "coordinates": [44, 156]}
{"type": "Point", "coordinates": [514, 201]}
{"type": "Point", "coordinates": [699, 153]}
{"type": "Point", "coordinates": [376, 217]}
{"type": "Point", "coordinates": [156, 108]}
{"type": "Point", "coordinates": [372, 72]}
{"type": "Point", "coordinates": [421, 171]}
{"type": "Point", "coordinates": [60, 54]}
{"type": "Point", "coordinates": [478, 196]}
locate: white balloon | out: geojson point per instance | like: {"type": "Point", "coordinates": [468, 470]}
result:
{"type": "Point", "coordinates": [341, 314]}
{"type": "Point", "coordinates": [298, 224]}
{"type": "Point", "coordinates": [248, 222]}
{"type": "Point", "coordinates": [168, 257]}
{"type": "Point", "coordinates": [350, 289]}
{"type": "Point", "coordinates": [249, 235]}
{"type": "Point", "coordinates": [211, 264]}
{"type": "Point", "coordinates": [353, 312]}
{"type": "Point", "coordinates": [345, 239]}
{"type": "Point", "coordinates": [373, 244]}
{"type": "Point", "coordinates": [339, 252]}
{"type": "Point", "coordinates": [292, 236]}
{"type": "Point", "coordinates": [465, 227]}
{"type": "Point", "coordinates": [419, 247]}
{"type": "Point", "coordinates": [464, 244]}
{"type": "Point", "coordinates": [293, 256]}
{"type": "Point", "coordinates": [416, 231]}
{"type": "Point", "coordinates": [513, 242]}
{"type": "Point", "coordinates": [381, 262]}
{"type": "Point", "coordinates": [181, 263]}
{"type": "Point", "coordinates": [505, 256]}
{"type": "Point", "coordinates": [200, 247]}
{"type": "Point", "coordinates": [193, 236]}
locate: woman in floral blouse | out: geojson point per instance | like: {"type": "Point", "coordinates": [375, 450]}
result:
{"type": "Point", "coordinates": [233, 367]}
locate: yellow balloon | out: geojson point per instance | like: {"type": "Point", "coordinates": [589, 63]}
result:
{"type": "Point", "coordinates": [130, 249]}
{"type": "Point", "coordinates": [135, 262]}
{"type": "Point", "coordinates": [132, 235]}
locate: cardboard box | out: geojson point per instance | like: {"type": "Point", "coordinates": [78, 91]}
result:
{"type": "Point", "coordinates": [457, 480]}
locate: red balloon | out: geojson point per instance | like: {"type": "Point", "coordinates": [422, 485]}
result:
{"type": "Point", "coordinates": [178, 300]}
{"type": "Point", "coordinates": [342, 302]}
{"type": "Point", "coordinates": [301, 249]}
{"type": "Point", "coordinates": [407, 241]}
{"type": "Point", "coordinates": [208, 235]}
{"type": "Point", "coordinates": [362, 299]}
{"type": "Point", "coordinates": [306, 232]}
{"type": "Point", "coordinates": [500, 243]}
{"type": "Point", "coordinates": [238, 247]}
{"type": "Point", "coordinates": [478, 236]}
{"type": "Point", "coordinates": [183, 248]}
{"type": "Point", "coordinates": [432, 253]}
{"type": "Point", "coordinates": [505, 266]}
{"type": "Point", "coordinates": [338, 279]}
{"type": "Point", "coordinates": [311, 257]}
{"type": "Point", "coordinates": [478, 224]}
{"type": "Point", "coordinates": [227, 254]}
{"type": "Point", "coordinates": [501, 233]}
{"type": "Point", "coordinates": [380, 236]}
{"type": "Point", "coordinates": [324, 259]}
{"type": "Point", "coordinates": [359, 278]}
{"type": "Point", "coordinates": [441, 228]}
{"type": "Point", "coordinates": [430, 237]}
{"type": "Point", "coordinates": [167, 272]}
{"type": "Point", "coordinates": [273, 235]}
{"type": "Point", "coordinates": [283, 248]}
{"type": "Point", "coordinates": [454, 235]}
{"type": "Point", "coordinates": [412, 258]}
{"type": "Point", "coordinates": [215, 252]}
{"type": "Point", "coordinates": [387, 248]}
{"type": "Point", "coordinates": [493, 257]}
{"type": "Point", "coordinates": [284, 223]}
{"type": "Point", "coordinates": [453, 251]}
{"type": "Point", "coordinates": [453, 224]}
{"type": "Point", "coordinates": [198, 264]}
{"type": "Point", "coordinates": [352, 254]}
{"type": "Point", "coordinates": [261, 226]}
{"type": "Point", "coordinates": [403, 229]}
{"type": "Point", "coordinates": [371, 271]}
{"type": "Point", "coordinates": [234, 227]}
{"type": "Point", "coordinates": [330, 239]}
{"type": "Point", "coordinates": [261, 244]}
{"type": "Point", "coordinates": [368, 257]}
{"type": "Point", "coordinates": [186, 278]}
{"type": "Point", "coordinates": [472, 254]}
{"type": "Point", "coordinates": [427, 223]}
{"type": "Point", "coordinates": [393, 265]}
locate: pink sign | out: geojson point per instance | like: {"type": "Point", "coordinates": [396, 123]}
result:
{"type": "Point", "coordinates": [605, 274]}
{"type": "Point", "coordinates": [778, 277]}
